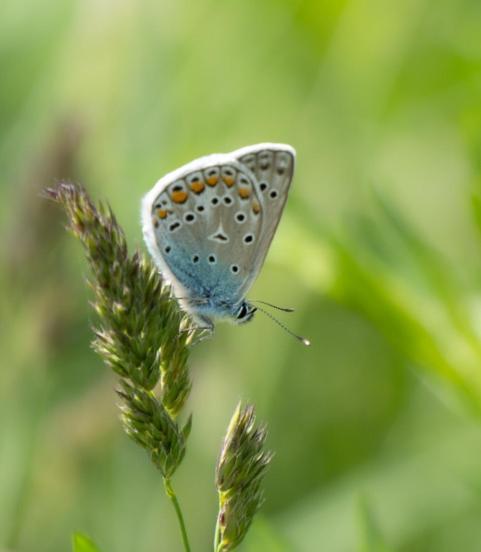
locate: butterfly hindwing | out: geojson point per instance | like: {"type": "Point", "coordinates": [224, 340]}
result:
{"type": "Point", "coordinates": [273, 167]}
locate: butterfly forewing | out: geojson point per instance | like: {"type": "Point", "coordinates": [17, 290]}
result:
{"type": "Point", "coordinates": [206, 224]}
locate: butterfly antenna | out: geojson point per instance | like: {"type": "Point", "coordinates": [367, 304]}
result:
{"type": "Point", "coordinates": [284, 309]}
{"type": "Point", "coordinates": [303, 340]}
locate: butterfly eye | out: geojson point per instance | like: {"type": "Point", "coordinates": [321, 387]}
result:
{"type": "Point", "coordinates": [245, 313]}
{"type": "Point", "coordinates": [242, 312]}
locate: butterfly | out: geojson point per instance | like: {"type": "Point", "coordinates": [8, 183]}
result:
{"type": "Point", "coordinates": [208, 226]}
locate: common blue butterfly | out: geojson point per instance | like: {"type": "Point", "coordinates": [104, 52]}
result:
{"type": "Point", "coordinates": [208, 225]}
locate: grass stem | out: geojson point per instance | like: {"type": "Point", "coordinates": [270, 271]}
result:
{"type": "Point", "coordinates": [173, 497]}
{"type": "Point", "coordinates": [217, 535]}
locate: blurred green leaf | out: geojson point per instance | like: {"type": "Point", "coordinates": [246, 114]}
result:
{"type": "Point", "coordinates": [81, 543]}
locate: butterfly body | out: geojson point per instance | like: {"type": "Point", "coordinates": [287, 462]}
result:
{"type": "Point", "coordinates": [208, 225]}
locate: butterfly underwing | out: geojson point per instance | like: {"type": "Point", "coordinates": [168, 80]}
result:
{"type": "Point", "coordinates": [208, 226]}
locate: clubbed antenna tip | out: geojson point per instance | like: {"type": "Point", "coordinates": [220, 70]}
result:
{"type": "Point", "coordinates": [303, 340]}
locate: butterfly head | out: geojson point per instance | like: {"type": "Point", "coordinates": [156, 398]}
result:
{"type": "Point", "coordinates": [244, 313]}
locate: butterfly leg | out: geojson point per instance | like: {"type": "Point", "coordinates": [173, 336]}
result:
{"type": "Point", "coordinates": [205, 326]}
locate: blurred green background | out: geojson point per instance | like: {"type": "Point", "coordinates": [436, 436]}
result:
{"type": "Point", "coordinates": [376, 427]}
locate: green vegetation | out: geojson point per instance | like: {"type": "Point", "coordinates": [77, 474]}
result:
{"type": "Point", "coordinates": [379, 250]}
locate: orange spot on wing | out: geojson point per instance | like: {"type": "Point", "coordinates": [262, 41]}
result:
{"type": "Point", "coordinates": [197, 186]}
{"type": "Point", "coordinates": [162, 213]}
{"type": "Point", "coordinates": [229, 180]}
{"type": "Point", "coordinates": [179, 197]}
{"type": "Point", "coordinates": [244, 193]}
{"type": "Point", "coordinates": [256, 208]}
{"type": "Point", "coordinates": [212, 180]}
